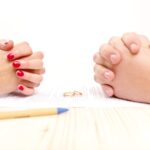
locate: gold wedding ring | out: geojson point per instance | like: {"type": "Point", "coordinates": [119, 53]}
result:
{"type": "Point", "coordinates": [72, 94]}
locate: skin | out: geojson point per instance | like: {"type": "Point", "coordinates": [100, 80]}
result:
{"type": "Point", "coordinates": [132, 42]}
{"type": "Point", "coordinates": [129, 78]}
{"type": "Point", "coordinates": [30, 63]}
{"type": "Point", "coordinates": [8, 78]}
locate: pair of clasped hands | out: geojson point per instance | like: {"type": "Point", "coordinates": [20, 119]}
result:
{"type": "Point", "coordinates": [122, 67]}
{"type": "Point", "coordinates": [21, 69]}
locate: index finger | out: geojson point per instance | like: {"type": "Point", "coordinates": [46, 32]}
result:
{"type": "Point", "coordinates": [20, 50]}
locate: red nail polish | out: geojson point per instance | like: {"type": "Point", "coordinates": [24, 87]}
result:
{"type": "Point", "coordinates": [20, 87]}
{"type": "Point", "coordinates": [20, 73]}
{"type": "Point", "coordinates": [10, 56]}
{"type": "Point", "coordinates": [16, 64]}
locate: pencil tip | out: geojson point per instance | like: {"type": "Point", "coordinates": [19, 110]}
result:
{"type": "Point", "coordinates": [62, 110]}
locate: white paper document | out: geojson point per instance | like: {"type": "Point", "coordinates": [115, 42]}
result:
{"type": "Point", "coordinates": [54, 97]}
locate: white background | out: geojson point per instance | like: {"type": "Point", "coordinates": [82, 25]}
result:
{"type": "Point", "coordinates": [69, 32]}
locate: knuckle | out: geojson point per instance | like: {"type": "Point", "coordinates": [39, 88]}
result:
{"type": "Point", "coordinates": [42, 71]}
{"type": "Point", "coordinates": [40, 54]}
{"type": "Point", "coordinates": [97, 79]}
{"type": "Point", "coordinates": [26, 43]}
{"type": "Point", "coordinates": [40, 79]}
{"type": "Point", "coordinates": [37, 85]}
{"type": "Point", "coordinates": [114, 39]}
{"type": "Point", "coordinates": [41, 64]}
{"type": "Point", "coordinates": [95, 68]}
{"type": "Point", "coordinates": [105, 51]}
{"type": "Point", "coordinates": [143, 38]}
{"type": "Point", "coordinates": [27, 47]}
{"type": "Point", "coordinates": [102, 48]}
{"type": "Point", "coordinates": [95, 57]}
{"type": "Point", "coordinates": [126, 35]}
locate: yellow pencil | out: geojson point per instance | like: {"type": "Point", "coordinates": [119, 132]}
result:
{"type": "Point", "coordinates": [31, 112]}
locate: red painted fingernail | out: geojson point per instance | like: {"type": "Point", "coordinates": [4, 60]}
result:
{"type": "Point", "coordinates": [10, 56]}
{"type": "Point", "coordinates": [20, 73]}
{"type": "Point", "coordinates": [16, 64]}
{"type": "Point", "coordinates": [20, 87]}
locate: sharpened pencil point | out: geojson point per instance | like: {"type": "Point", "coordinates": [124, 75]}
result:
{"type": "Point", "coordinates": [61, 110]}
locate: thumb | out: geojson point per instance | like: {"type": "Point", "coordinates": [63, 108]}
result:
{"type": "Point", "coordinates": [6, 44]}
{"type": "Point", "coordinates": [132, 42]}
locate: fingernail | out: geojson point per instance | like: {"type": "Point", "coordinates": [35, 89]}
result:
{"type": "Point", "coordinates": [10, 56]}
{"type": "Point", "coordinates": [16, 64]}
{"type": "Point", "coordinates": [113, 58]}
{"type": "Point", "coordinates": [108, 92]}
{"type": "Point", "coordinates": [20, 73]}
{"type": "Point", "coordinates": [134, 47]}
{"type": "Point", "coordinates": [20, 87]}
{"type": "Point", "coordinates": [107, 75]}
